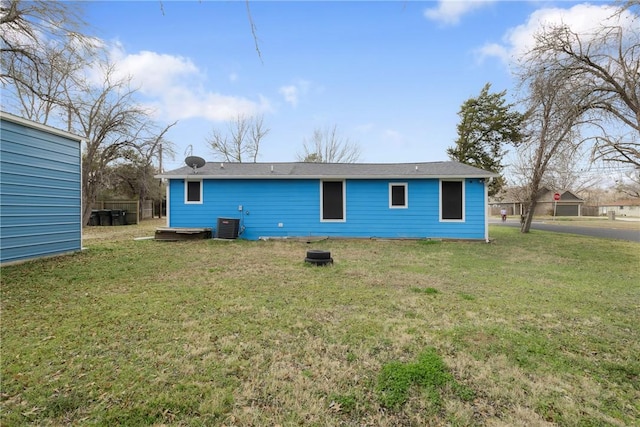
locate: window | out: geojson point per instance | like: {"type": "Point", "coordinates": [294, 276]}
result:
{"type": "Point", "coordinates": [452, 200]}
{"type": "Point", "coordinates": [193, 192]}
{"type": "Point", "coordinates": [332, 195]}
{"type": "Point", "coordinates": [398, 195]}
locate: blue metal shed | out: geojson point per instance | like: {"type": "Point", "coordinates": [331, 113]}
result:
{"type": "Point", "coordinates": [40, 190]}
{"type": "Point", "coordinates": [275, 200]}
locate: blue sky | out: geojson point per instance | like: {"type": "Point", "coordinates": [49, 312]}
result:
{"type": "Point", "coordinates": [390, 75]}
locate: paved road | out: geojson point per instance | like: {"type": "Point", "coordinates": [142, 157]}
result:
{"type": "Point", "coordinates": [607, 233]}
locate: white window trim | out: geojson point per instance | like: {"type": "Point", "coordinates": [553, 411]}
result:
{"type": "Point", "coordinates": [186, 191]}
{"type": "Point", "coordinates": [464, 205]}
{"type": "Point", "coordinates": [344, 201]}
{"type": "Point", "coordinates": [406, 195]}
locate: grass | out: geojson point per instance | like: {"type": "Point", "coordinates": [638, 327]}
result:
{"type": "Point", "coordinates": [528, 330]}
{"type": "Point", "coordinates": [429, 373]}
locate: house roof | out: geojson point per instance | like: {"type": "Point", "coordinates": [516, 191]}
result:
{"type": "Point", "coordinates": [545, 195]}
{"type": "Point", "coordinates": [629, 202]}
{"type": "Point", "coordinates": [305, 170]}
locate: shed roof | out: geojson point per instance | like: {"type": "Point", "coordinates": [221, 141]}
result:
{"type": "Point", "coordinates": [45, 128]}
{"type": "Point", "coordinates": [627, 202]}
{"type": "Point", "coordinates": [306, 170]}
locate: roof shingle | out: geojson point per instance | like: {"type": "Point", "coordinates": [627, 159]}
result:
{"type": "Point", "coordinates": [305, 170]}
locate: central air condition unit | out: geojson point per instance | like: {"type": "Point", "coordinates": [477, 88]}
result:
{"type": "Point", "coordinates": [227, 228]}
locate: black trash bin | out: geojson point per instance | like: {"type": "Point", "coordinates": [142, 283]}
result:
{"type": "Point", "coordinates": [94, 219]}
{"type": "Point", "coordinates": [116, 216]}
{"type": "Point", "coordinates": [105, 216]}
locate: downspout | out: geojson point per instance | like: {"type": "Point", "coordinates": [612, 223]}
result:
{"type": "Point", "coordinates": [487, 209]}
{"type": "Point", "coordinates": [168, 203]}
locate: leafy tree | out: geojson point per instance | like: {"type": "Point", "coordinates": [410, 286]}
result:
{"type": "Point", "coordinates": [327, 146]}
{"type": "Point", "coordinates": [240, 141]}
{"type": "Point", "coordinates": [487, 124]}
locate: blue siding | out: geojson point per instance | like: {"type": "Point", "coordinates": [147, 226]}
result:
{"type": "Point", "coordinates": [295, 204]}
{"type": "Point", "coordinates": [40, 193]}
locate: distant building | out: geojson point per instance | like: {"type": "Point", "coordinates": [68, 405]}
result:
{"type": "Point", "coordinates": [512, 199]}
{"type": "Point", "coordinates": [622, 208]}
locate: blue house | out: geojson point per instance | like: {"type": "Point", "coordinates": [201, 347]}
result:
{"type": "Point", "coordinates": [276, 200]}
{"type": "Point", "coordinates": [40, 190]}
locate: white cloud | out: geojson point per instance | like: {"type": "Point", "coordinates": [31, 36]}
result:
{"type": "Point", "coordinates": [155, 72]}
{"type": "Point", "coordinates": [449, 12]}
{"type": "Point", "coordinates": [173, 86]}
{"type": "Point", "coordinates": [582, 19]}
{"type": "Point", "coordinates": [493, 50]}
{"type": "Point", "coordinates": [291, 93]}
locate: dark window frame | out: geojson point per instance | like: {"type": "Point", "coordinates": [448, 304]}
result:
{"type": "Point", "coordinates": [329, 206]}
{"type": "Point", "coordinates": [452, 200]}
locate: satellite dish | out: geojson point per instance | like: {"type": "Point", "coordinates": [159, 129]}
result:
{"type": "Point", "coordinates": [195, 162]}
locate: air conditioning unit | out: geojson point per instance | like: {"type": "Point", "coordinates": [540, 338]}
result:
{"type": "Point", "coordinates": [227, 228]}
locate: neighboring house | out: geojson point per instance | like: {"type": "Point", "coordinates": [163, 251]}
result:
{"type": "Point", "coordinates": [275, 200]}
{"type": "Point", "coordinates": [621, 208]}
{"type": "Point", "coordinates": [512, 200]}
{"type": "Point", "coordinates": [40, 190]}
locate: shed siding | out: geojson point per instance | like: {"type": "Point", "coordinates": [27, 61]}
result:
{"type": "Point", "coordinates": [296, 205]}
{"type": "Point", "coordinates": [40, 193]}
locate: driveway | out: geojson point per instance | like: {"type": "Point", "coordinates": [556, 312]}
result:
{"type": "Point", "coordinates": [618, 229]}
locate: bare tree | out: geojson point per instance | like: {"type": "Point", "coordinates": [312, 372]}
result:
{"type": "Point", "coordinates": [112, 122]}
{"type": "Point", "coordinates": [604, 67]}
{"type": "Point", "coordinates": [34, 35]}
{"type": "Point", "coordinates": [628, 184]}
{"type": "Point", "coordinates": [552, 120]}
{"type": "Point", "coordinates": [133, 175]}
{"type": "Point", "coordinates": [43, 99]}
{"type": "Point", "coordinates": [240, 141]}
{"type": "Point", "coordinates": [569, 169]}
{"type": "Point", "coordinates": [327, 146]}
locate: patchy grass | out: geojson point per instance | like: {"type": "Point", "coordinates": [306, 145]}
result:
{"type": "Point", "coordinates": [429, 373]}
{"type": "Point", "coordinates": [527, 330]}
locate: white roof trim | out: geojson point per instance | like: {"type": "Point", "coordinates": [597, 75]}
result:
{"type": "Point", "coordinates": [45, 128]}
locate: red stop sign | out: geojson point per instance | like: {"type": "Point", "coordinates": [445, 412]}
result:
{"type": "Point", "coordinates": [556, 197]}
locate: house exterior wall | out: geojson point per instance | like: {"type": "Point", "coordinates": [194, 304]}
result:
{"type": "Point", "coordinates": [40, 192]}
{"type": "Point", "coordinates": [621, 210]}
{"type": "Point", "coordinates": [295, 204]}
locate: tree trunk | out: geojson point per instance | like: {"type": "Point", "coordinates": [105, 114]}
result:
{"type": "Point", "coordinates": [525, 226]}
{"type": "Point", "coordinates": [532, 202]}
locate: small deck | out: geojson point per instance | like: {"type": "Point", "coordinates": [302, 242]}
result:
{"type": "Point", "coordinates": [179, 233]}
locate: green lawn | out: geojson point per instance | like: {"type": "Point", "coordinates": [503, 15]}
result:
{"type": "Point", "coordinates": [528, 330]}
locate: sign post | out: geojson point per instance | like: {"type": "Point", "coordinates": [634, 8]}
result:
{"type": "Point", "coordinates": [556, 197]}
